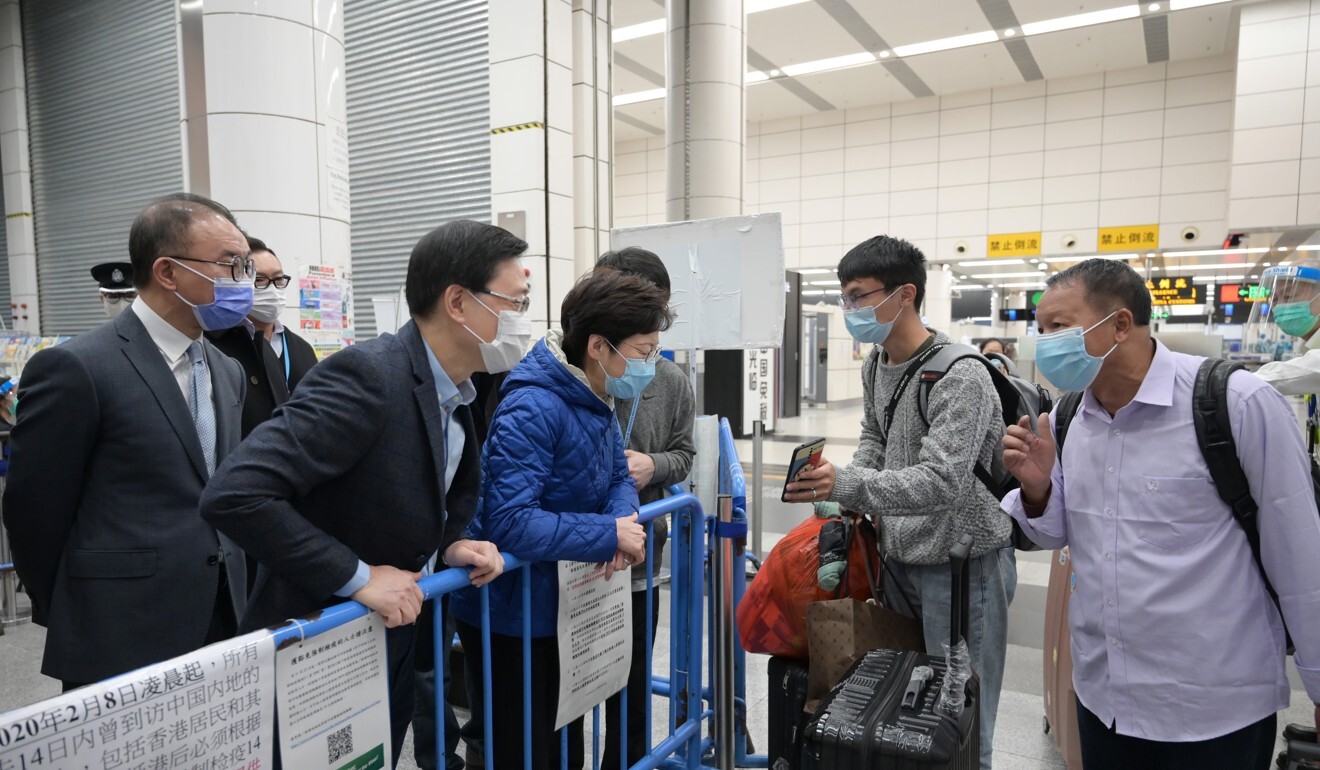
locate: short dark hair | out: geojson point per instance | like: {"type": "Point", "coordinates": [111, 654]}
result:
{"type": "Point", "coordinates": [614, 305]}
{"type": "Point", "coordinates": [635, 261]}
{"type": "Point", "coordinates": [162, 227]}
{"type": "Point", "coordinates": [1107, 285]}
{"type": "Point", "coordinates": [891, 261]}
{"type": "Point", "coordinates": [256, 244]}
{"type": "Point", "coordinates": [461, 252]}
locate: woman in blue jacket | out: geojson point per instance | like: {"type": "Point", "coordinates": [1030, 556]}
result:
{"type": "Point", "coordinates": [555, 486]}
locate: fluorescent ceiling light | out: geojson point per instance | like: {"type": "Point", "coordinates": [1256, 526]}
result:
{"type": "Point", "coordinates": [640, 96]}
{"type": "Point", "coordinates": [947, 43]}
{"type": "Point", "coordinates": [645, 29]}
{"type": "Point", "coordinates": [1182, 5]}
{"type": "Point", "coordinates": [823, 283]}
{"type": "Point", "coordinates": [814, 270]}
{"type": "Point", "coordinates": [1214, 252]}
{"type": "Point", "coordinates": [1034, 274]}
{"type": "Point", "coordinates": [837, 62]}
{"type": "Point", "coordinates": [1082, 20]}
{"type": "Point", "coordinates": [1312, 247]}
{"type": "Point", "coordinates": [1029, 285]}
{"type": "Point", "coordinates": [1217, 278]}
{"type": "Point", "coordinates": [1226, 266]}
{"type": "Point", "coordinates": [980, 262]}
{"type": "Point", "coordinates": [815, 293]}
{"type": "Point", "coordinates": [1062, 260]}
{"type": "Point", "coordinates": [755, 76]}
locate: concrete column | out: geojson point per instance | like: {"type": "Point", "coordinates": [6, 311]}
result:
{"type": "Point", "coordinates": [704, 113]}
{"type": "Point", "coordinates": [271, 116]}
{"type": "Point", "coordinates": [938, 306]}
{"type": "Point", "coordinates": [23, 314]}
{"type": "Point", "coordinates": [532, 140]}
{"type": "Point", "coordinates": [593, 136]}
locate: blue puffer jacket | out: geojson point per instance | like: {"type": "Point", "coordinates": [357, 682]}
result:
{"type": "Point", "coordinates": [554, 479]}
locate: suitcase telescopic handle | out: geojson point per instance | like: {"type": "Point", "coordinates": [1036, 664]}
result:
{"type": "Point", "coordinates": [960, 608]}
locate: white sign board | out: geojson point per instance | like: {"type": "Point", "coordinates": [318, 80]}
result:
{"type": "Point", "coordinates": [334, 699]}
{"type": "Point", "coordinates": [595, 637]}
{"type": "Point", "coordinates": [760, 389]}
{"type": "Point", "coordinates": [212, 708]}
{"type": "Point", "coordinates": [727, 277]}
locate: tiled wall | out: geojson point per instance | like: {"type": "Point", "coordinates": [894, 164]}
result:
{"type": "Point", "coordinates": [1276, 140]}
{"type": "Point", "coordinates": [1142, 146]}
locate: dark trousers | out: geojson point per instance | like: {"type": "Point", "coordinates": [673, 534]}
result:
{"type": "Point", "coordinates": [1250, 748]}
{"type": "Point", "coordinates": [639, 689]}
{"type": "Point", "coordinates": [400, 646]}
{"type": "Point", "coordinates": [507, 702]}
{"type": "Point", "coordinates": [424, 732]}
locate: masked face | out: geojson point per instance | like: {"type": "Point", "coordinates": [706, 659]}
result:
{"type": "Point", "coordinates": [637, 375]}
{"type": "Point", "coordinates": [114, 304]}
{"type": "Point", "coordinates": [865, 327]}
{"type": "Point", "coordinates": [228, 307]}
{"type": "Point", "coordinates": [267, 303]}
{"type": "Point", "coordinates": [512, 336]}
{"type": "Point", "coordinates": [1063, 359]}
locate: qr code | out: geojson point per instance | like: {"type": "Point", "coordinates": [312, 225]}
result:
{"type": "Point", "coordinates": [340, 744]}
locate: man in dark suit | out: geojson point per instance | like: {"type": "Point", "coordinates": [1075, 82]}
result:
{"type": "Point", "coordinates": [371, 470]}
{"type": "Point", "coordinates": [273, 358]}
{"type": "Point", "coordinates": [120, 429]}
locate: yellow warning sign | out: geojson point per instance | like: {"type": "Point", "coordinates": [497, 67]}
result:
{"type": "Point", "coordinates": [1129, 237]}
{"type": "Point", "coordinates": [1012, 245]}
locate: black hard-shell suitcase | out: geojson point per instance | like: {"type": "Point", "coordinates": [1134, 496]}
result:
{"type": "Point", "coordinates": [788, 698]}
{"type": "Point", "coordinates": [863, 723]}
{"type": "Point", "coordinates": [1301, 750]}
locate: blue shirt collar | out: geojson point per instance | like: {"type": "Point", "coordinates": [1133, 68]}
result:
{"type": "Point", "coordinates": [451, 395]}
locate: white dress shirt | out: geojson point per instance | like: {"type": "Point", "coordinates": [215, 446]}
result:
{"type": "Point", "coordinates": [173, 346]}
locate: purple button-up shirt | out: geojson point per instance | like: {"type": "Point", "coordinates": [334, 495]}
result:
{"type": "Point", "coordinates": [1174, 637]}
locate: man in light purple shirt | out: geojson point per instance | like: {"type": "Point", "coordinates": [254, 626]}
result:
{"type": "Point", "coordinates": [1178, 650]}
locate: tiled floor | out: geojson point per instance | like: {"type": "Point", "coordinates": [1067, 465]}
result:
{"type": "Point", "coordinates": [1020, 742]}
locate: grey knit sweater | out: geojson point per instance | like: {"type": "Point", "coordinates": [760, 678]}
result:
{"type": "Point", "coordinates": [922, 480]}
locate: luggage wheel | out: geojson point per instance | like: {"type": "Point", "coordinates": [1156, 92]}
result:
{"type": "Point", "coordinates": [1045, 725]}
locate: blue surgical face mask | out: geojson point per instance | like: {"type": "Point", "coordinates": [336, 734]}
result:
{"type": "Point", "coordinates": [864, 327]}
{"type": "Point", "coordinates": [1062, 357]}
{"type": "Point", "coordinates": [637, 374]}
{"type": "Point", "coordinates": [230, 305]}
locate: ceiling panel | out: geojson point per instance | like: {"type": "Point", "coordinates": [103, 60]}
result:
{"type": "Point", "coordinates": [901, 22]}
{"type": "Point", "coordinates": [648, 51]}
{"type": "Point", "coordinates": [1201, 32]}
{"type": "Point", "coordinates": [630, 12]}
{"type": "Point", "coordinates": [852, 88]}
{"type": "Point", "coordinates": [1039, 10]}
{"type": "Point", "coordinates": [1114, 46]}
{"type": "Point", "coordinates": [778, 35]}
{"type": "Point", "coordinates": [626, 82]}
{"type": "Point", "coordinates": [650, 113]}
{"type": "Point", "coordinates": [966, 69]}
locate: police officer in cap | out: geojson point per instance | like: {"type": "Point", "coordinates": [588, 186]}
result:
{"type": "Point", "coordinates": [117, 292]}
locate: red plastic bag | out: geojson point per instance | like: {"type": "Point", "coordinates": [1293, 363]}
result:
{"type": "Point", "coordinates": [772, 617]}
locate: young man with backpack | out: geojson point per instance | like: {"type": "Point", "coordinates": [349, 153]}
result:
{"type": "Point", "coordinates": [918, 476]}
{"type": "Point", "coordinates": [1178, 647]}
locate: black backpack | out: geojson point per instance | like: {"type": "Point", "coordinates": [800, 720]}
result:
{"type": "Point", "coordinates": [1017, 397]}
{"type": "Point", "coordinates": [1214, 434]}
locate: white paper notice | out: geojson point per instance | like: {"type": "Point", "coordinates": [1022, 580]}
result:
{"type": "Point", "coordinates": [595, 637]}
{"type": "Point", "coordinates": [334, 699]}
{"type": "Point", "coordinates": [211, 709]}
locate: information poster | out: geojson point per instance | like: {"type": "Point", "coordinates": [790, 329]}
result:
{"type": "Point", "coordinates": [334, 699]}
{"type": "Point", "coordinates": [595, 637]}
{"type": "Point", "coordinates": [761, 389]}
{"type": "Point", "coordinates": [212, 708]}
{"type": "Point", "coordinates": [324, 314]}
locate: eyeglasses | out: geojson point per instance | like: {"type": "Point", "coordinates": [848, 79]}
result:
{"type": "Point", "coordinates": [280, 282]}
{"type": "Point", "coordinates": [521, 304]}
{"type": "Point", "coordinates": [852, 302]}
{"type": "Point", "coordinates": [239, 267]}
{"type": "Point", "coordinates": [650, 356]}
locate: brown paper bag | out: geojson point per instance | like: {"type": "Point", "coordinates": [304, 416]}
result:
{"type": "Point", "coordinates": [839, 631]}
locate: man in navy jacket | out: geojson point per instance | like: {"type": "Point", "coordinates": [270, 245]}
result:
{"type": "Point", "coordinates": [371, 470]}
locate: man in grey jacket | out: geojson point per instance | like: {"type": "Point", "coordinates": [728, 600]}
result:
{"type": "Point", "coordinates": [660, 451]}
{"type": "Point", "coordinates": [920, 478]}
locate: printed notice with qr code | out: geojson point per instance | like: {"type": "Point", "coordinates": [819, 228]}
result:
{"type": "Point", "coordinates": [334, 699]}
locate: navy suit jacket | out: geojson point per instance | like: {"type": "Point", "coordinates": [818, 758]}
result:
{"type": "Point", "coordinates": [101, 502]}
{"type": "Point", "coordinates": [352, 466]}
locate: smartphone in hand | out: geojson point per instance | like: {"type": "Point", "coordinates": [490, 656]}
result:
{"type": "Point", "coordinates": [809, 454]}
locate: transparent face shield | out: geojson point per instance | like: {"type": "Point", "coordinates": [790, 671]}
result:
{"type": "Point", "coordinates": [1285, 311]}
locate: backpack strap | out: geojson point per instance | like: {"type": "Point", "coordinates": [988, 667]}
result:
{"type": "Point", "coordinates": [917, 363]}
{"type": "Point", "coordinates": [1063, 417]}
{"type": "Point", "coordinates": [935, 371]}
{"type": "Point", "coordinates": [1214, 434]}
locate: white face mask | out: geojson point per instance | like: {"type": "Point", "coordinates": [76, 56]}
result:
{"type": "Point", "coordinates": [512, 336]}
{"type": "Point", "coordinates": [115, 305]}
{"type": "Point", "coordinates": [266, 304]}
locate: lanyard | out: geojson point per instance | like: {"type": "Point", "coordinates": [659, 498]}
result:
{"type": "Point", "coordinates": [631, 418]}
{"type": "Point", "coordinates": [286, 360]}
